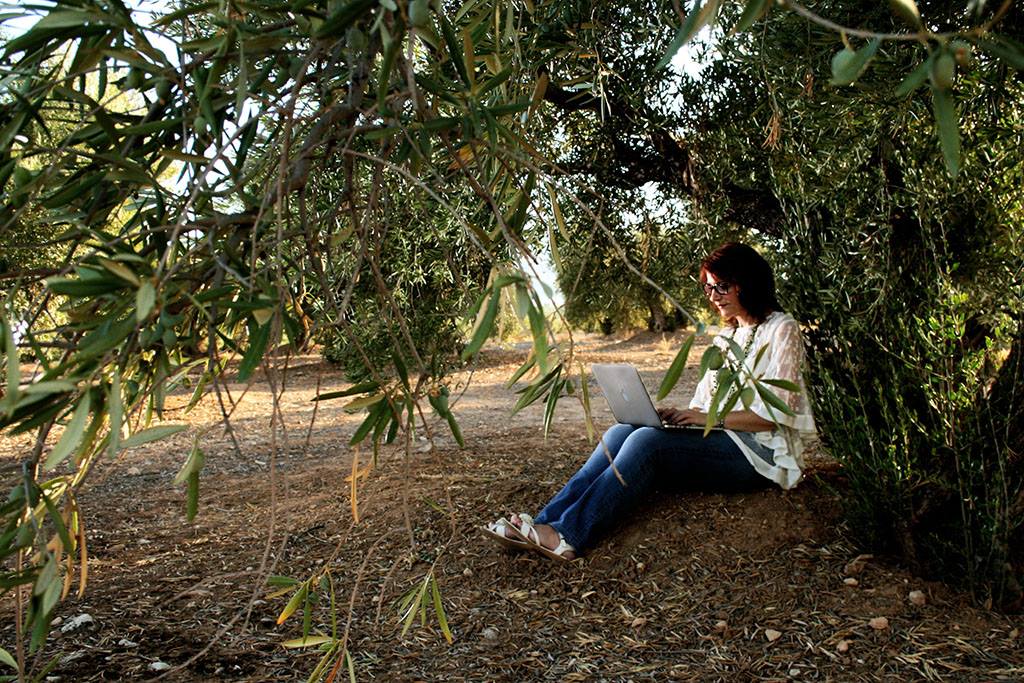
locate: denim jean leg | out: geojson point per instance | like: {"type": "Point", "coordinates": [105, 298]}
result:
{"type": "Point", "coordinates": [606, 499]}
{"type": "Point", "coordinates": [656, 459]}
{"type": "Point", "coordinates": [710, 464]}
{"type": "Point", "coordinates": [597, 463]}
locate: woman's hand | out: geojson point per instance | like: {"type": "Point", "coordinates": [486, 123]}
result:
{"type": "Point", "coordinates": [737, 420]}
{"type": "Point", "coordinates": [675, 416]}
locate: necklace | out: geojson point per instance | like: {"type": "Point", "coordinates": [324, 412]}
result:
{"type": "Point", "coordinates": [747, 348]}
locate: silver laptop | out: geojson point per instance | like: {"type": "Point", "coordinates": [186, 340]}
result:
{"type": "Point", "coordinates": [627, 396]}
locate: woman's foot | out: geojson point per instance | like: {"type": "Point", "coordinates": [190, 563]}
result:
{"type": "Point", "coordinates": [545, 537]}
{"type": "Point", "coordinates": [506, 533]}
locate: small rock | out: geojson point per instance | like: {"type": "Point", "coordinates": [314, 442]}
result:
{"type": "Point", "coordinates": [772, 635]}
{"type": "Point", "coordinates": [857, 564]}
{"type": "Point", "coordinates": [721, 625]}
{"type": "Point", "coordinates": [638, 622]}
{"type": "Point", "coordinates": [124, 642]}
{"type": "Point", "coordinates": [75, 623]}
{"type": "Point", "coordinates": [879, 623]}
{"type": "Point", "coordinates": [490, 633]}
{"type": "Point", "coordinates": [850, 581]}
{"type": "Point", "coordinates": [843, 646]}
{"type": "Point", "coordinates": [159, 666]}
{"type": "Point", "coordinates": [1012, 635]}
{"type": "Point", "coordinates": [133, 471]}
{"type": "Point", "coordinates": [56, 621]}
{"type": "Point", "coordinates": [794, 672]}
{"type": "Point", "coordinates": [467, 572]}
{"type": "Point", "coordinates": [917, 598]}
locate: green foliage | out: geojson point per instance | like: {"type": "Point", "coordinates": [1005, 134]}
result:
{"type": "Point", "coordinates": [946, 48]}
{"type": "Point", "coordinates": [289, 172]}
{"type": "Point", "coordinates": [408, 282]}
{"type": "Point", "coordinates": [895, 268]}
{"type": "Point", "coordinates": [189, 194]}
{"type": "Point", "coordinates": [922, 437]}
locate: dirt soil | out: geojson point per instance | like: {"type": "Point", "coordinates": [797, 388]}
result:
{"type": "Point", "coordinates": [755, 587]}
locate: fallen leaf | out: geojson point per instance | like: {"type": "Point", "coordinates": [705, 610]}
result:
{"type": "Point", "coordinates": [772, 635]}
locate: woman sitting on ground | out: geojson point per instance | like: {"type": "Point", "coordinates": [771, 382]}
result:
{"type": "Point", "coordinates": [752, 449]}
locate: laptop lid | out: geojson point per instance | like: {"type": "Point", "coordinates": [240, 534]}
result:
{"type": "Point", "coordinates": [626, 394]}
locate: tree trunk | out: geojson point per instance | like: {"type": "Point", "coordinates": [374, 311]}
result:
{"type": "Point", "coordinates": [1003, 413]}
{"type": "Point", "coordinates": [1005, 406]}
{"type": "Point", "coordinates": [656, 321]}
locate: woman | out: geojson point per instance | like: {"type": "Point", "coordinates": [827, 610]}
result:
{"type": "Point", "coordinates": [754, 446]}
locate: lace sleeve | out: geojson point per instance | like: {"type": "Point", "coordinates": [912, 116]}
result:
{"type": "Point", "coordinates": [785, 360]}
{"type": "Point", "coordinates": [702, 396]}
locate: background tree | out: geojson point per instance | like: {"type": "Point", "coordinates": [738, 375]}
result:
{"type": "Point", "coordinates": [889, 262]}
{"type": "Point", "coordinates": [606, 267]}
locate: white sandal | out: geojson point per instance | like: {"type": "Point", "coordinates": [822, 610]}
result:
{"type": "Point", "coordinates": [506, 533]}
{"type": "Point", "coordinates": [529, 533]}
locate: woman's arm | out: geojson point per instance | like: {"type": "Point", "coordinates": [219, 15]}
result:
{"type": "Point", "coordinates": [737, 420]}
{"type": "Point", "coordinates": [785, 355]}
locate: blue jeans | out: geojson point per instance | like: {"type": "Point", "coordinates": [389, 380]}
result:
{"type": "Point", "coordinates": [594, 499]}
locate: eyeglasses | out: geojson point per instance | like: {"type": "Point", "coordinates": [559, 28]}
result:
{"type": "Point", "coordinates": [722, 288]}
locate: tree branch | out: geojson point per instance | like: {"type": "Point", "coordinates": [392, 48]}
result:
{"type": "Point", "coordinates": [656, 154]}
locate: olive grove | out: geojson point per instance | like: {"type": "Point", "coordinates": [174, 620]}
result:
{"type": "Point", "coordinates": [218, 184]}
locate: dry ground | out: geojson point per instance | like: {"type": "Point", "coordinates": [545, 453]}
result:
{"type": "Point", "coordinates": [698, 587]}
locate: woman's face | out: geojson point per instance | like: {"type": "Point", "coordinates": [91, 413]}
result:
{"type": "Point", "coordinates": [725, 297]}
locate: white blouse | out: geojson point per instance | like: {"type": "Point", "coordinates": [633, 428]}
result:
{"type": "Point", "coordinates": [783, 359]}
